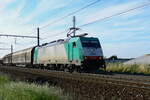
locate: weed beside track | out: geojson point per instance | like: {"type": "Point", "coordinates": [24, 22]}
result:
{"type": "Point", "coordinates": [10, 90]}
{"type": "Point", "coordinates": [130, 69]}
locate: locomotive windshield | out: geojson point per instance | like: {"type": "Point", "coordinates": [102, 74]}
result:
{"type": "Point", "coordinates": [90, 43]}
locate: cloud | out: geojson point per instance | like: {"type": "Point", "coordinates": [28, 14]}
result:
{"type": "Point", "coordinates": [19, 25]}
{"type": "Point", "coordinates": [115, 9]}
{"type": "Point", "coordinates": [45, 5]}
{"type": "Point", "coordinates": [130, 33]}
{"type": "Point", "coordinates": [130, 29]}
{"type": "Point", "coordinates": [128, 22]}
{"type": "Point", "coordinates": [3, 3]}
{"type": "Point", "coordinates": [12, 23]}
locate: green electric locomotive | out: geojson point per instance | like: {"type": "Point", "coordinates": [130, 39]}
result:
{"type": "Point", "coordinates": [81, 54]}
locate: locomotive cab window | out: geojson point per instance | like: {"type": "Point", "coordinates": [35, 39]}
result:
{"type": "Point", "coordinates": [74, 45]}
{"type": "Point", "coordinates": [93, 44]}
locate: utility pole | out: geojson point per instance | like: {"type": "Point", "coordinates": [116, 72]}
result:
{"type": "Point", "coordinates": [11, 53]}
{"type": "Point", "coordinates": [73, 29]}
{"type": "Point", "coordinates": [38, 36]}
{"type": "Point", "coordinates": [74, 26]}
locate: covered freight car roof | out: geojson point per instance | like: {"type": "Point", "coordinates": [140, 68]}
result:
{"type": "Point", "coordinates": [23, 50]}
{"type": "Point", "coordinates": [19, 51]}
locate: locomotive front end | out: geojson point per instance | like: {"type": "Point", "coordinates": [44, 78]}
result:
{"type": "Point", "coordinates": [93, 54]}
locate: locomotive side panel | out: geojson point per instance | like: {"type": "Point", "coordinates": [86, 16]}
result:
{"type": "Point", "coordinates": [69, 52]}
{"type": "Point", "coordinates": [74, 51]}
{"type": "Point", "coordinates": [55, 54]}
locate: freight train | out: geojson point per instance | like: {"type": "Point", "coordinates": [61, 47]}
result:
{"type": "Point", "coordinates": [81, 54]}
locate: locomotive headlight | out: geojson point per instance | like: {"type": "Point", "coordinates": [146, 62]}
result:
{"type": "Point", "coordinates": [100, 57]}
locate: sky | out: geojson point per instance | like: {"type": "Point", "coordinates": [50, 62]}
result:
{"type": "Point", "coordinates": [126, 35]}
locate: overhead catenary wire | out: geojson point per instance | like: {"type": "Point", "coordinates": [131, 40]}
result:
{"type": "Point", "coordinates": [17, 36]}
{"type": "Point", "coordinates": [111, 16]}
{"type": "Point", "coordinates": [3, 43]}
{"type": "Point", "coordinates": [5, 48]}
{"type": "Point", "coordinates": [72, 13]}
{"type": "Point", "coordinates": [117, 14]}
{"type": "Point", "coordinates": [57, 34]}
{"type": "Point", "coordinates": [78, 10]}
{"type": "Point", "coordinates": [29, 43]}
{"type": "Point", "coordinates": [101, 18]}
{"type": "Point", "coordinates": [23, 36]}
{"type": "Point", "coordinates": [26, 42]}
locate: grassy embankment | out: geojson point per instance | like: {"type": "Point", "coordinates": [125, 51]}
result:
{"type": "Point", "coordinates": [133, 69]}
{"type": "Point", "coordinates": [10, 90]}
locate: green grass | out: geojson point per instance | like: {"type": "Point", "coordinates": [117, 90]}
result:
{"type": "Point", "coordinates": [133, 69]}
{"type": "Point", "coordinates": [4, 79]}
{"type": "Point", "coordinates": [23, 91]}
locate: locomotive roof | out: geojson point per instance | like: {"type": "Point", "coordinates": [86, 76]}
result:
{"type": "Point", "coordinates": [61, 41]}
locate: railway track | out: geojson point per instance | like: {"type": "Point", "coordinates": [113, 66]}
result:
{"type": "Point", "coordinates": [85, 86]}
